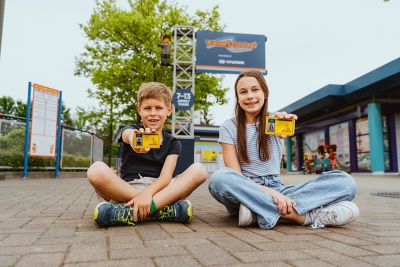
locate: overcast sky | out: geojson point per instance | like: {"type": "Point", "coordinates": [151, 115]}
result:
{"type": "Point", "coordinates": [311, 43]}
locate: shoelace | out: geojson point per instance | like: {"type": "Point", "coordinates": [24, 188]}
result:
{"type": "Point", "coordinates": [322, 218]}
{"type": "Point", "coordinates": [123, 215]}
{"type": "Point", "coordinates": [167, 213]}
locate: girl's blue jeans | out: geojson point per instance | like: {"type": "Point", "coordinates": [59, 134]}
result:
{"type": "Point", "coordinates": [232, 188]}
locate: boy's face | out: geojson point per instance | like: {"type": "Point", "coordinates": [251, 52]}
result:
{"type": "Point", "coordinates": [154, 112]}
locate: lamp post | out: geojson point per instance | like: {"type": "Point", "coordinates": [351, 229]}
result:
{"type": "Point", "coordinates": [2, 5]}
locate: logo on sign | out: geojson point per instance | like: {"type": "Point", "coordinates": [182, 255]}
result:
{"type": "Point", "coordinates": [183, 99]}
{"type": "Point", "coordinates": [231, 44]}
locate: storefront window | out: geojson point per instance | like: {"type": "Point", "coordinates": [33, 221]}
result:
{"type": "Point", "coordinates": [294, 153]}
{"type": "Point", "coordinates": [385, 143]}
{"type": "Point", "coordinates": [311, 142]}
{"type": "Point", "coordinates": [362, 140]}
{"type": "Point", "coordinates": [339, 138]}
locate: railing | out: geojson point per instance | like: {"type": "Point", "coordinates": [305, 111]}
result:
{"type": "Point", "coordinates": [79, 149]}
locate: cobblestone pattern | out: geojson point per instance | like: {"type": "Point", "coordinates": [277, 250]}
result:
{"type": "Point", "coordinates": [47, 222]}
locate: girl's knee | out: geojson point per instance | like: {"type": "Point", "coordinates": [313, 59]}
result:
{"type": "Point", "coordinates": [348, 184]}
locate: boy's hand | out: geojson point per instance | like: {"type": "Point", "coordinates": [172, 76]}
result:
{"type": "Point", "coordinates": [141, 130]}
{"type": "Point", "coordinates": [141, 203]}
{"type": "Point", "coordinates": [285, 116]}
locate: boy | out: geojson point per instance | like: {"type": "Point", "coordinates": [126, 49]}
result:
{"type": "Point", "coordinates": [146, 197]}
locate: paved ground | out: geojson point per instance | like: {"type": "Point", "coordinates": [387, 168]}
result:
{"type": "Point", "coordinates": [47, 222]}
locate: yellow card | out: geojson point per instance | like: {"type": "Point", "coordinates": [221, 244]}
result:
{"type": "Point", "coordinates": [279, 126]}
{"type": "Point", "coordinates": [146, 140]}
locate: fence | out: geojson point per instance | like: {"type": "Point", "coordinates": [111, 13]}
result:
{"type": "Point", "coordinates": [79, 149]}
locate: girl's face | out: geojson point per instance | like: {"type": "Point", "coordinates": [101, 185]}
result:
{"type": "Point", "coordinates": [154, 112]}
{"type": "Point", "coordinates": [250, 95]}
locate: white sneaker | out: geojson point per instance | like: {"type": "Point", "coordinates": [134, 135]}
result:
{"type": "Point", "coordinates": [336, 214]}
{"type": "Point", "coordinates": [246, 216]}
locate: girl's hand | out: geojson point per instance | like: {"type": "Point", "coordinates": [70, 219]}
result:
{"type": "Point", "coordinates": [284, 203]}
{"type": "Point", "coordinates": [285, 116]}
{"type": "Point", "coordinates": [141, 204]}
{"type": "Point", "coordinates": [141, 130]}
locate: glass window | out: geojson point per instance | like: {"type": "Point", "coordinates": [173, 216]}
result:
{"type": "Point", "coordinates": [385, 133]}
{"type": "Point", "coordinates": [362, 140]}
{"type": "Point", "coordinates": [339, 146]}
{"type": "Point", "coordinates": [311, 142]}
{"type": "Point", "coordinates": [294, 154]}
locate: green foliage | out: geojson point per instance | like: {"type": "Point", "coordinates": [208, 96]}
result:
{"type": "Point", "coordinates": [122, 53]}
{"type": "Point", "coordinates": [7, 105]}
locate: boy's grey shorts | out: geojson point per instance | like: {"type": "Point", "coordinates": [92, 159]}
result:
{"type": "Point", "coordinates": [138, 184]}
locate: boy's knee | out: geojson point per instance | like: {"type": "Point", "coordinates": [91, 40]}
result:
{"type": "Point", "coordinates": [201, 171]}
{"type": "Point", "coordinates": [95, 171]}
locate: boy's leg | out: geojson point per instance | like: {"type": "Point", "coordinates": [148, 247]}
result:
{"type": "Point", "coordinates": [108, 184]}
{"type": "Point", "coordinates": [231, 188]}
{"type": "Point", "coordinates": [182, 187]}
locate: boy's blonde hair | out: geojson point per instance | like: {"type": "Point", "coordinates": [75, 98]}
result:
{"type": "Point", "coordinates": [154, 90]}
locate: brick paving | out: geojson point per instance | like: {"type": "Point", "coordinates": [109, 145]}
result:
{"type": "Point", "coordinates": [47, 222]}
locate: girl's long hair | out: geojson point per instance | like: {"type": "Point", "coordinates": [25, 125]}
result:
{"type": "Point", "coordinates": [263, 139]}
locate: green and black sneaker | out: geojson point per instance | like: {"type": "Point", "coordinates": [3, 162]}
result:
{"type": "Point", "coordinates": [109, 214]}
{"type": "Point", "coordinates": [180, 211]}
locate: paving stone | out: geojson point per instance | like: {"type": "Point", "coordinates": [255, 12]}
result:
{"type": "Point", "coordinates": [175, 242]}
{"type": "Point", "coordinates": [344, 248]}
{"type": "Point", "coordinates": [7, 261]}
{"type": "Point", "coordinates": [93, 252]}
{"type": "Point", "coordinates": [123, 242]}
{"type": "Point", "coordinates": [232, 244]}
{"type": "Point", "coordinates": [336, 258]}
{"type": "Point", "coordinates": [176, 261]}
{"type": "Point", "coordinates": [61, 232]}
{"type": "Point", "coordinates": [267, 246]}
{"type": "Point", "coordinates": [175, 228]}
{"type": "Point", "coordinates": [310, 263]}
{"type": "Point", "coordinates": [42, 260]}
{"type": "Point", "coordinates": [151, 232]}
{"type": "Point", "coordinates": [384, 248]}
{"type": "Point", "coordinates": [211, 255]}
{"type": "Point", "coordinates": [19, 239]}
{"type": "Point", "coordinates": [247, 236]}
{"type": "Point", "coordinates": [114, 263]}
{"type": "Point", "coordinates": [384, 260]}
{"type": "Point", "coordinates": [145, 252]}
{"type": "Point", "coordinates": [266, 256]}
{"type": "Point", "coordinates": [346, 239]}
{"type": "Point", "coordinates": [23, 250]}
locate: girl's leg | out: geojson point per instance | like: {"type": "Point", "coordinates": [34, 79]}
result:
{"type": "Point", "coordinates": [231, 188]}
{"type": "Point", "coordinates": [328, 188]}
{"type": "Point", "coordinates": [108, 184]}
{"type": "Point", "coordinates": [182, 187]}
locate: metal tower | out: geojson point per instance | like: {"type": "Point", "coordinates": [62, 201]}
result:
{"type": "Point", "coordinates": [183, 78]}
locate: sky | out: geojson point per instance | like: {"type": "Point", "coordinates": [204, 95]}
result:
{"type": "Point", "coordinates": [311, 43]}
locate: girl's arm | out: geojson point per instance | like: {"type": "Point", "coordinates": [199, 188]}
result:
{"type": "Point", "coordinates": [230, 157]}
{"type": "Point", "coordinates": [231, 160]}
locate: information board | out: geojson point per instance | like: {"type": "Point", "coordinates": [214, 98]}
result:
{"type": "Point", "coordinates": [43, 138]}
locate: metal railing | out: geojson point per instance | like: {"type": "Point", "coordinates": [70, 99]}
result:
{"type": "Point", "coordinates": [79, 148]}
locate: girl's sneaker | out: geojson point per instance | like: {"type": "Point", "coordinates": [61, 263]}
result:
{"type": "Point", "coordinates": [337, 214]}
{"type": "Point", "coordinates": [246, 216]}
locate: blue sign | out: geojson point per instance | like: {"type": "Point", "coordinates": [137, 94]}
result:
{"type": "Point", "coordinates": [222, 52]}
{"type": "Point", "coordinates": [183, 99]}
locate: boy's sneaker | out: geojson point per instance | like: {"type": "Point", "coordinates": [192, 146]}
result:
{"type": "Point", "coordinates": [336, 214]}
{"type": "Point", "coordinates": [246, 216]}
{"type": "Point", "coordinates": [110, 214]}
{"type": "Point", "coordinates": [180, 211]}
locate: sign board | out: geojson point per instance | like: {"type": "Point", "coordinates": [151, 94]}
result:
{"type": "Point", "coordinates": [221, 52]}
{"type": "Point", "coordinates": [183, 99]}
{"type": "Point", "coordinates": [43, 136]}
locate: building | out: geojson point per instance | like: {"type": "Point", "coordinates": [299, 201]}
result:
{"type": "Point", "coordinates": [360, 120]}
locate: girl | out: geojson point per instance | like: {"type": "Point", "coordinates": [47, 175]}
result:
{"type": "Point", "coordinates": [250, 185]}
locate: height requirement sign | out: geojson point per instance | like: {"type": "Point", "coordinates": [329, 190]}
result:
{"type": "Point", "coordinates": [44, 121]}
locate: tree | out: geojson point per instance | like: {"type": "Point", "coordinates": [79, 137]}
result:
{"type": "Point", "coordinates": [122, 53]}
{"type": "Point", "coordinates": [7, 105]}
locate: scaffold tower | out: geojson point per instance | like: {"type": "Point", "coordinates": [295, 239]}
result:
{"type": "Point", "coordinates": [183, 78]}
